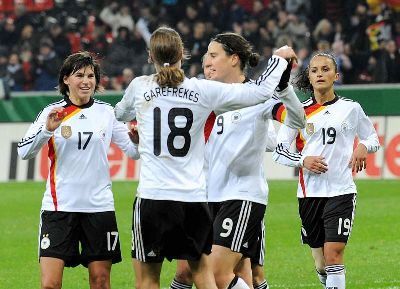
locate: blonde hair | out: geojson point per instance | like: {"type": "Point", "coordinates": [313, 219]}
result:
{"type": "Point", "coordinates": [166, 49]}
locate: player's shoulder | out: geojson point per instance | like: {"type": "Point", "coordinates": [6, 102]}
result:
{"type": "Point", "coordinates": [348, 102]}
{"type": "Point", "coordinates": [308, 102]}
{"type": "Point", "coordinates": [50, 106]}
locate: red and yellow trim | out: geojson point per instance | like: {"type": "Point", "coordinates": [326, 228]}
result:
{"type": "Point", "coordinates": [313, 109]}
{"type": "Point", "coordinates": [281, 114]}
{"type": "Point", "coordinates": [71, 111]}
{"type": "Point", "coordinates": [301, 180]}
{"type": "Point", "coordinates": [53, 166]}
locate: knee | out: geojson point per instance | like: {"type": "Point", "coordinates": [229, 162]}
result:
{"type": "Point", "coordinates": [99, 281]}
{"type": "Point", "coordinates": [184, 277]}
{"type": "Point", "coordinates": [333, 257]}
{"type": "Point", "coordinates": [51, 284]}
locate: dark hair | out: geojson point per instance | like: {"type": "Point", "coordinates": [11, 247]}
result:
{"type": "Point", "coordinates": [233, 43]}
{"type": "Point", "coordinates": [72, 64]}
{"type": "Point", "coordinates": [302, 81]}
{"type": "Point", "coordinates": [166, 49]}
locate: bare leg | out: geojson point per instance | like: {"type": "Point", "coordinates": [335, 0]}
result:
{"type": "Point", "coordinates": [183, 275]}
{"type": "Point", "coordinates": [99, 274]}
{"type": "Point", "coordinates": [202, 273]}
{"type": "Point", "coordinates": [51, 272]}
{"type": "Point", "coordinates": [243, 270]}
{"type": "Point", "coordinates": [224, 261]}
{"type": "Point", "coordinates": [147, 275]}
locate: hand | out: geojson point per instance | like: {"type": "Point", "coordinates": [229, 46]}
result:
{"type": "Point", "coordinates": [286, 52]}
{"type": "Point", "coordinates": [316, 164]}
{"type": "Point", "coordinates": [133, 132]}
{"type": "Point", "coordinates": [283, 83]}
{"type": "Point", "coordinates": [358, 160]}
{"type": "Point", "coordinates": [55, 118]}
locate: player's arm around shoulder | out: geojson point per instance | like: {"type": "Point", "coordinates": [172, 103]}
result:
{"type": "Point", "coordinates": [125, 109]}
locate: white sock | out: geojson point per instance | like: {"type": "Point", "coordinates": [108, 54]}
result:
{"type": "Point", "coordinates": [321, 277]}
{"type": "Point", "coordinates": [178, 285]}
{"type": "Point", "coordinates": [336, 278]}
{"type": "Point", "coordinates": [238, 283]}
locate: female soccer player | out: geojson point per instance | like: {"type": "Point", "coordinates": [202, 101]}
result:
{"type": "Point", "coordinates": [78, 205]}
{"type": "Point", "coordinates": [171, 218]}
{"type": "Point", "coordinates": [326, 190]}
{"type": "Point", "coordinates": [237, 191]}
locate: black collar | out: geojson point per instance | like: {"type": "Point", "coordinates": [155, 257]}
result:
{"type": "Point", "coordinates": [328, 102]}
{"type": "Point", "coordinates": [86, 105]}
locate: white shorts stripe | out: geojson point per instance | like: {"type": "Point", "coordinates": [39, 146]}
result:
{"type": "Point", "coordinates": [140, 255]}
{"type": "Point", "coordinates": [262, 245]}
{"type": "Point", "coordinates": [241, 226]}
{"type": "Point", "coordinates": [40, 230]}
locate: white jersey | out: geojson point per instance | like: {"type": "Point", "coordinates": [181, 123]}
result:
{"type": "Point", "coordinates": [170, 124]}
{"type": "Point", "coordinates": [237, 145]}
{"type": "Point", "coordinates": [330, 132]}
{"type": "Point", "coordinates": [79, 178]}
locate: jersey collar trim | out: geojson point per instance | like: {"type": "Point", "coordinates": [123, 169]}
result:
{"type": "Point", "coordinates": [86, 105]}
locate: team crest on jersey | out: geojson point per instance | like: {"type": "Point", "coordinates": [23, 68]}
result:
{"type": "Point", "coordinates": [310, 128]}
{"type": "Point", "coordinates": [344, 127]}
{"type": "Point", "coordinates": [66, 131]}
{"type": "Point", "coordinates": [45, 243]}
{"type": "Point", "coordinates": [236, 117]}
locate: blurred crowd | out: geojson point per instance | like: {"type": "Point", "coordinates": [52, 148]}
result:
{"type": "Point", "coordinates": [364, 35]}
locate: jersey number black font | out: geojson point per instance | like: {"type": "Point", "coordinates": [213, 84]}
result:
{"type": "Point", "coordinates": [175, 131]}
{"type": "Point", "coordinates": [80, 137]}
{"type": "Point", "coordinates": [331, 133]}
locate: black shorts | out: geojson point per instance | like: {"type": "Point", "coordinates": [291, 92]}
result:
{"type": "Point", "coordinates": [170, 229]}
{"type": "Point", "coordinates": [326, 219]}
{"type": "Point", "coordinates": [237, 226]}
{"type": "Point", "coordinates": [79, 238]}
{"type": "Point", "coordinates": [214, 209]}
{"type": "Point", "coordinates": [259, 256]}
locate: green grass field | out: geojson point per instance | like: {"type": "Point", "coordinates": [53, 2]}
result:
{"type": "Point", "coordinates": [372, 255]}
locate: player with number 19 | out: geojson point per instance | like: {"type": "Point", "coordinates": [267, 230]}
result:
{"type": "Point", "coordinates": [78, 204]}
{"type": "Point", "coordinates": [326, 160]}
{"type": "Point", "coordinates": [171, 218]}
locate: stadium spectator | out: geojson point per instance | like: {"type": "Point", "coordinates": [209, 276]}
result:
{"type": "Point", "coordinates": [62, 46]}
{"type": "Point", "coordinates": [16, 77]}
{"type": "Point", "coordinates": [171, 218]}
{"type": "Point", "coordinates": [327, 159]}
{"type": "Point", "coordinates": [47, 64]}
{"type": "Point", "coordinates": [261, 21]}
{"type": "Point", "coordinates": [77, 221]}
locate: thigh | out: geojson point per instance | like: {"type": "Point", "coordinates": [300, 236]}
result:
{"type": "Point", "coordinates": [59, 237]}
{"type": "Point", "coordinates": [100, 237]}
{"type": "Point", "coordinates": [51, 272]}
{"type": "Point", "coordinates": [338, 218]}
{"type": "Point", "coordinates": [237, 226]}
{"type": "Point", "coordinates": [312, 223]}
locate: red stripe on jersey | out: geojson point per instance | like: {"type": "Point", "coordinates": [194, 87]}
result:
{"type": "Point", "coordinates": [209, 125]}
{"type": "Point", "coordinates": [71, 111]}
{"type": "Point", "coordinates": [281, 114]}
{"type": "Point", "coordinates": [300, 142]}
{"type": "Point", "coordinates": [53, 160]}
{"type": "Point", "coordinates": [301, 180]}
{"type": "Point", "coordinates": [313, 109]}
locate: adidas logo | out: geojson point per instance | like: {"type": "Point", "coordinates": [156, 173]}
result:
{"type": "Point", "coordinates": [327, 112]}
{"type": "Point", "coordinates": [246, 245]}
{"type": "Point", "coordinates": [82, 116]}
{"type": "Point", "coordinates": [151, 254]}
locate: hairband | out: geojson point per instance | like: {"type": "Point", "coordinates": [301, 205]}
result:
{"type": "Point", "coordinates": [166, 64]}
